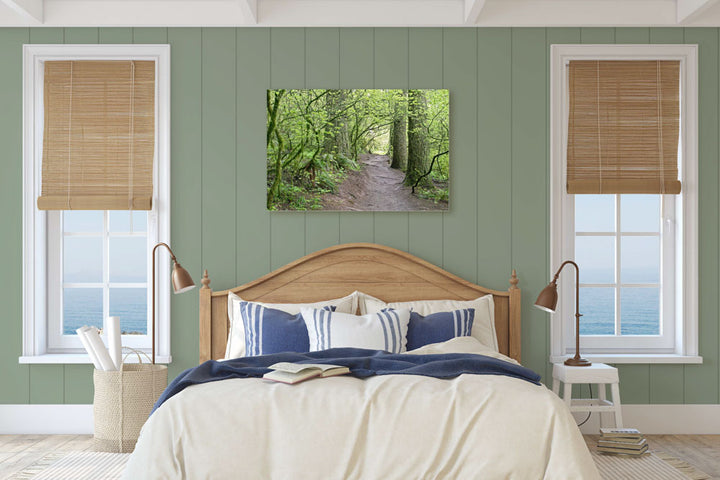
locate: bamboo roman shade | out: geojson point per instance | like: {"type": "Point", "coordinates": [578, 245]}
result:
{"type": "Point", "coordinates": [624, 126]}
{"type": "Point", "coordinates": [99, 135]}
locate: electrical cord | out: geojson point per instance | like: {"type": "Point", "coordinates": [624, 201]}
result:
{"type": "Point", "coordinates": [589, 413]}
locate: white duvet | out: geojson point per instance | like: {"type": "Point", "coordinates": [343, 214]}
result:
{"type": "Point", "coordinates": [383, 427]}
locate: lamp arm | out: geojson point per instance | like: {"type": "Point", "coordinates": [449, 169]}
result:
{"type": "Point", "coordinates": [163, 244]}
{"type": "Point", "coordinates": [577, 283]}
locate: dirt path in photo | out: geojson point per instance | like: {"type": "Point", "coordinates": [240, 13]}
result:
{"type": "Point", "coordinates": [377, 187]}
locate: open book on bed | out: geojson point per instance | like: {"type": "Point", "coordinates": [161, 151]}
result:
{"type": "Point", "coordinates": [292, 373]}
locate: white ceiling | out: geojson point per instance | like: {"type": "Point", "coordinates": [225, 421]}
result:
{"type": "Point", "coordinates": [405, 13]}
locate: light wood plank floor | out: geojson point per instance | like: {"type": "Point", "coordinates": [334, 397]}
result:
{"type": "Point", "coordinates": [700, 451]}
{"type": "Point", "coordinates": [19, 451]}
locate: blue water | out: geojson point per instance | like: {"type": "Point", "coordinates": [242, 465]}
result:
{"type": "Point", "coordinates": [83, 306]}
{"type": "Point", "coordinates": [639, 307]}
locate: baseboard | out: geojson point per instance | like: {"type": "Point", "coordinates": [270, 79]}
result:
{"type": "Point", "coordinates": [662, 419]}
{"type": "Point", "coordinates": [649, 419]}
{"type": "Point", "coordinates": [46, 419]}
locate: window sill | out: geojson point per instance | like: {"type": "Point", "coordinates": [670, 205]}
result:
{"type": "Point", "coordinates": [619, 358]}
{"type": "Point", "coordinates": [81, 358]}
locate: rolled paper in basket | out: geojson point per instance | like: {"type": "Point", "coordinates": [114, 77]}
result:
{"type": "Point", "coordinates": [88, 348]}
{"type": "Point", "coordinates": [113, 329]}
{"type": "Point", "coordinates": [96, 343]}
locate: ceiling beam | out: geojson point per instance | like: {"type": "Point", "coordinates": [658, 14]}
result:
{"type": "Point", "coordinates": [688, 10]}
{"type": "Point", "coordinates": [472, 11]}
{"type": "Point", "coordinates": [249, 11]}
{"type": "Point", "coordinates": [29, 9]}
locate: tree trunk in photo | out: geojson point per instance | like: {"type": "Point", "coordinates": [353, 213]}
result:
{"type": "Point", "coordinates": [338, 140]}
{"type": "Point", "coordinates": [417, 159]}
{"type": "Point", "coordinates": [398, 137]}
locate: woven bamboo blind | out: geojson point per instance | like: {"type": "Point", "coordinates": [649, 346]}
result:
{"type": "Point", "coordinates": [99, 135]}
{"type": "Point", "coordinates": [623, 129]}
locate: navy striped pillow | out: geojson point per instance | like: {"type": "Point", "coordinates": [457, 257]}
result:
{"type": "Point", "coordinates": [273, 331]}
{"type": "Point", "coordinates": [439, 327]}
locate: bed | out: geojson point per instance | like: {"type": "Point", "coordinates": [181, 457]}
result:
{"type": "Point", "coordinates": [390, 426]}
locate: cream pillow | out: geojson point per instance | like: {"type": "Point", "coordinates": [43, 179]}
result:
{"type": "Point", "coordinates": [483, 326]}
{"type": "Point", "coordinates": [236, 337]}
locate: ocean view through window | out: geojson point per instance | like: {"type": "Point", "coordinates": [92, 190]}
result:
{"type": "Point", "coordinates": [617, 244]}
{"type": "Point", "coordinates": [104, 270]}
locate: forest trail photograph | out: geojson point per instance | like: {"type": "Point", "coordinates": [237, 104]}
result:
{"type": "Point", "coordinates": [358, 150]}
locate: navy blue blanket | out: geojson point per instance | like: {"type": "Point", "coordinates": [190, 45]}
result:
{"type": "Point", "coordinates": [361, 362]}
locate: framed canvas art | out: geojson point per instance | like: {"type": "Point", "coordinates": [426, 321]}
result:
{"type": "Point", "coordinates": [358, 150]}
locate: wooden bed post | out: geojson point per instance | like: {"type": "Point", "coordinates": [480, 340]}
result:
{"type": "Point", "coordinates": [205, 319]}
{"type": "Point", "coordinates": [515, 327]}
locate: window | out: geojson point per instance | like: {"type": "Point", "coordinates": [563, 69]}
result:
{"type": "Point", "coordinates": [82, 266]}
{"type": "Point", "coordinates": [636, 252]}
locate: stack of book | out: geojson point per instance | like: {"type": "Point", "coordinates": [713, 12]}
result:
{"type": "Point", "coordinates": [625, 441]}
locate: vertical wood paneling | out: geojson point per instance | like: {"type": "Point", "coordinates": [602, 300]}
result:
{"type": "Point", "coordinates": [116, 35]}
{"type": "Point", "coordinates": [79, 387]}
{"type": "Point", "coordinates": [16, 383]}
{"type": "Point", "coordinates": [186, 187]}
{"type": "Point", "coordinates": [597, 35]}
{"type": "Point", "coordinates": [494, 146]}
{"type": "Point", "coordinates": [47, 35]}
{"type": "Point", "coordinates": [287, 70]}
{"type": "Point", "coordinates": [460, 222]}
{"type": "Point", "coordinates": [498, 82]}
{"type": "Point", "coordinates": [701, 381]}
{"type": "Point", "coordinates": [632, 35]}
{"type": "Point", "coordinates": [150, 35]}
{"type": "Point", "coordinates": [46, 384]}
{"type": "Point", "coordinates": [529, 185]}
{"type": "Point", "coordinates": [218, 156]}
{"type": "Point", "coordinates": [322, 70]}
{"type": "Point", "coordinates": [356, 71]}
{"type": "Point", "coordinates": [391, 71]}
{"type": "Point", "coordinates": [82, 35]}
{"type": "Point", "coordinates": [253, 219]}
{"type": "Point", "coordinates": [425, 70]}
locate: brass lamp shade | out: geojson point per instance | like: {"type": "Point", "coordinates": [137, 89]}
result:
{"type": "Point", "coordinates": [181, 279]}
{"type": "Point", "coordinates": [548, 298]}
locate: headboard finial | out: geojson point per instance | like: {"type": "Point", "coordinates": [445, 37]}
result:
{"type": "Point", "coordinates": [514, 280]}
{"type": "Point", "coordinates": [205, 280]}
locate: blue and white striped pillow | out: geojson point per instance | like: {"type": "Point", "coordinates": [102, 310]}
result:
{"type": "Point", "coordinates": [439, 327]}
{"type": "Point", "coordinates": [273, 331]}
{"type": "Point", "coordinates": [377, 331]}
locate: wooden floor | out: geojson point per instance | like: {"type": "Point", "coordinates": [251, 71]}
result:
{"type": "Point", "coordinates": [19, 451]}
{"type": "Point", "coordinates": [700, 451]}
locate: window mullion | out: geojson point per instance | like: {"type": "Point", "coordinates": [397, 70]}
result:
{"type": "Point", "coordinates": [106, 266]}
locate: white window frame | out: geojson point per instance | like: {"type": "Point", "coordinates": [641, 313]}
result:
{"type": "Point", "coordinates": [35, 222]}
{"type": "Point", "coordinates": [680, 221]}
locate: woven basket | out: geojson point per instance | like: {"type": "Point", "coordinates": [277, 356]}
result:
{"type": "Point", "coordinates": [123, 401]}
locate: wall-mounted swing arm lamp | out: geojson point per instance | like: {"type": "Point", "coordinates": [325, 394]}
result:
{"type": "Point", "coordinates": [181, 282]}
{"type": "Point", "coordinates": [547, 301]}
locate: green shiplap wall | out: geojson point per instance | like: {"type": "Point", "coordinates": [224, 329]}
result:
{"type": "Point", "coordinates": [498, 220]}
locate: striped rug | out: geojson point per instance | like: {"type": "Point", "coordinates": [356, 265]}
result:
{"type": "Point", "coordinates": [651, 466]}
{"type": "Point", "coordinates": [76, 466]}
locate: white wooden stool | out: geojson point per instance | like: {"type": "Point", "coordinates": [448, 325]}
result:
{"type": "Point", "coordinates": [598, 374]}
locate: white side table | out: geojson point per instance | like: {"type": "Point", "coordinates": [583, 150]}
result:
{"type": "Point", "coordinates": [598, 374]}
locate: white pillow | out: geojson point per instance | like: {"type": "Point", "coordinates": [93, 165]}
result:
{"type": "Point", "coordinates": [377, 331]}
{"type": "Point", "coordinates": [460, 345]}
{"type": "Point", "coordinates": [236, 337]}
{"type": "Point", "coordinates": [483, 326]}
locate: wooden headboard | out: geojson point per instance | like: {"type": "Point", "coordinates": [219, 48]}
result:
{"type": "Point", "coordinates": [383, 272]}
